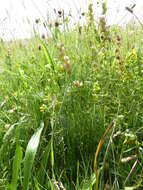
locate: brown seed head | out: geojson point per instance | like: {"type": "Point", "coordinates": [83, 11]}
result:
{"type": "Point", "coordinates": [39, 47]}
{"type": "Point", "coordinates": [57, 24]}
{"type": "Point", "coordinates": [66, 58]}
{"type": "Point", "coordinates": [118, 38]}
{"type": "Point", "coordinates": [118, 57]}
{"type": "Point", "coordinates": [117, 50]}
{"type": "Point", "coordinates": [62, 51]}
{"type": "Point", "coordinates": [43, 36]}
{"type": "Point", "coordinates": [59, 13]}
{"type": "Point", "coordinates": [37, 20]}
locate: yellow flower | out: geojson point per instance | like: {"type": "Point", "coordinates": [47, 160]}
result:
{"type": "Point", "coordinates": [43, 108]}
{"type": "Point", "coordinates": [133, 54]}
{"type": "Point", "coordinates": [15, 94]}
{"type": "Point", "coordinates": [96, 89]}
{"type": "Point", "coordinates": [47, 98]}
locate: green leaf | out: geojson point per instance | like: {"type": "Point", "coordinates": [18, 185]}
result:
{"type": "Point", "coordinates": [30, 156]}
{"type": "Point", "coordinates": [47, 55]}
{"type": "Point", "coordinates": [44, 161]}
{"type": "Point", "coordinates": [52, 154]}
{"type": "Point", "coordinates": [16, 167]}
{"type": "Point", "coordinates": [10, 133]}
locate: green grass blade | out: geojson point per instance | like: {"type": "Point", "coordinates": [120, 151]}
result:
{"type": "Point", "coordinates": [44, 163]}
{"type": "Point", "coordinates": [47, 55]}
{"type": "Point", "coordinates": [16, 167]}
{"type": "Point", "coordinates": [9, 134]}
{"type": "Point", "coordinates": [30, 155]}
{"type": "Point", "coordinates": [52, 155]}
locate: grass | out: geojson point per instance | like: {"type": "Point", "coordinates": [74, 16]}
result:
{"type": "Point", "coordinates": [76, 83]}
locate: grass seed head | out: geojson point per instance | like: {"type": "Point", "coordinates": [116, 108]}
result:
{"type": "Point", "coordinates": [37, 21]}
{"type": "Point", "coordinates": [43, 36]}
{"type": "Point", "coordinates": [39, 48]}
{"type": "Point", "coordinates": [60, 13]}
{"type": "Point", "coordinates": [57, 24]}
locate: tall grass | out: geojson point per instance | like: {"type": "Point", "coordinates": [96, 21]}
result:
{"type": "Point", "coordinates": [76, 82]}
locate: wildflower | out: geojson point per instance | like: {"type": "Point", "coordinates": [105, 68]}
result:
{"type": "Point", "coordinates": [132, 55]}
{"type": "Point", "coordinates": [62, 186]}
{"type": "Point", "coordinates": [96, 89]}
{"type": "Point", "coordinates": [77, 84]}
{"type": "Point", "coordinates": [12, 110]}
{"type": "Point", "coordinates": [43, 108]}
{"type": "Point", "coordinates": [7, 126]}
{"type": "Point", "coordinates": [2, 104]}
{"type": "Point", "coordinates": [66, 58]}
{"type": "Point", "coordinates": [6, 98]}
{"type": "Point", "coordinates": [56, 185]}
{"type": "Point", "coordinates": [67, 65]}
{"type": "Point", "coordinates": [62, 51]}
{"type": "Point", "coordinates": [47, 98]}
{"type": "Point", "coordinates": [15, 94]}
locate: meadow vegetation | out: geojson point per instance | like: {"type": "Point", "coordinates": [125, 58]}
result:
{"type": "Point", "coordinates": [64, 95]}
